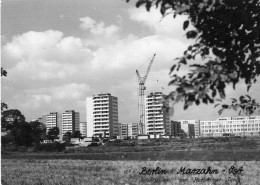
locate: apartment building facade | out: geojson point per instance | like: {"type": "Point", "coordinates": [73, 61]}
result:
{"type": "Point", "coordinates": [102, 115]}
{"type": "Point", "coordinates": [157, 120]}
{"type": "Point", "coordinates": [128, 130]}
{"type": "Point", "coordinates": [175, 128]}
{"type": "Point", "coordinates": [238, 126]}
{"type": "Point", "coordinates": [70, 121]}
{"type": "Point", "coordinates": [82, 128]}
{"type": "Point", "coordinates": [51, 120]}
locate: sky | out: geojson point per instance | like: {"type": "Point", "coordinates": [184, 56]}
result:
{"type": "Point", "coordinates": [58, 52]}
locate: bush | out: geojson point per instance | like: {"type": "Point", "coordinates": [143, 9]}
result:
{"type": "Point", "coordinates": [51, 147]}
{"type": "Point", "coordinates": [10, 148]}
{"type": "Point", "coordinates": [22, 148]}
{"type": "Point", "coordinates": [93, 144]}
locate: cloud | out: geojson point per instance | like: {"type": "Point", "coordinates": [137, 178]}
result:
{"type": "Point", "coordinates": [95, 28]}
{"type": "Point", "coordinates": [167, 26]}
{"type": "Point", "coordinates": [48, 71]}
{"type": "Point", "coordinates": [98, 33]}
{"type": "Point", "coordinates": [44, 56]}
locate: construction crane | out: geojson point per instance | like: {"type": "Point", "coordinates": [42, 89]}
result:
{"type": "Point", "coordinates": [141, 102]}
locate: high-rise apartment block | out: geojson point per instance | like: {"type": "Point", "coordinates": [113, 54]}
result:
{"type": "Point", "coordinates": [51, 120]}
{"type": "Point", "coordinates": [175, 128]}
{"type": "Point", "coordinates": [157, 120]}
{"type": "Point", "coordinates": [82, 128]}
{"type": "Point", "coordinates": [70, 121]}
{"type": "Point", "coordinates": [102, 115]}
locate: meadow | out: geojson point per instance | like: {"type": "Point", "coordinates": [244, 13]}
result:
{"type": "Point", "coordinates": [121, 162]}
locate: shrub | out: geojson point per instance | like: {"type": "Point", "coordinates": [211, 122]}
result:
{"type": "Point", "coordinates": [22, 148]}
{"type": "Point", "coordinates": [10, 148]}
{"type": "Point", "coordinates": [50, 147]}
{"type": "Point", "coordinates": [93, 144]}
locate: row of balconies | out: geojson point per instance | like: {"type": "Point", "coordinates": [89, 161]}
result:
{"type": "Point", "coordinates": [154, 117]}
{"type": "Point", "coordinates": [101, 112]}
{"type": "Point", "coordinates": [100, 97]}
{"type": "Point", "coordinates": [102, 130]}
{"type": "Point", "coordinates": [102, 120]}
{"type": "Point", "coordinates": [98, 127]}
{"type": "Point", "coordinates": [101, 104]}
{"type": "Point", "coordinates": [158, 121]}
{"type": "Point", "coordinates": [101, 116]}
{"type": "Point", "coordinates": [98, 109]}
{"type": "Point", "coordinates": [102, 123]}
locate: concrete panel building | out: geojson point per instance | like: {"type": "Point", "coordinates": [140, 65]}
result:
{"type": "Point", "coordinates": [157, 120]}
{"type": "Point", "coordinates": [70, 121]}
{"type": "Point", "coordinates": [83, 128]}
{"type": "Point", "coordinates": [237, 126]}
{"type": "Point", "coordinates": [175, 128]}
{"type": "Point", "coordinates": [128, 130]}
{"type": "Point", "coordinates": [197, 129]}
{"type": "Point", "coordinates": [102, 115]}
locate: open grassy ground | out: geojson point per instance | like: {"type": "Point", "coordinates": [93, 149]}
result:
{"type": "Point", "coordinates": [203, 155]}
{"type": "Point", "coordinates": [210, 149]}
{"type": "Point", "coordinates": [78, 172]}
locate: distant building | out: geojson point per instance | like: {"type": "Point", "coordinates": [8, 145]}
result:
{"type": "Point", "coordinates": [157, 120]}
{"type": "Point", "coordinates": [51, 120]}
{"type": "Point", "coordinates": [128, 130]}
{"type": "Point", "coordinates": [42, 119]}
{"type": "Point", "coordinates": [191, 132]}
{"type": "Point", "coordinates": [188, 127]}
{"type": "Point", "coordinates": [175, 128]}
{"type": "Point", "coordinates": [82, 128]}
{"type": "Point", "coordinates": [102, 115]}
{"type": "Point", "coordinates": [238, 126]}
{"type": "Point", "coordinates": [197, 129]}
{"type": "Point", "coordinates": [70, 121]}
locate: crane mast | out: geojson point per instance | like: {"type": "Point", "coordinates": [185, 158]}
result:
{"type": "Point", "coordinates": [141, 107]}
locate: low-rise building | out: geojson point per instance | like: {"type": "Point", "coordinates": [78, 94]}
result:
{"type": "Point", "coordinates": [238, 126]}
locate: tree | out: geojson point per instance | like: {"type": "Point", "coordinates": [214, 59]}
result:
{"type": "Point", "coordinates": [227, 45]}
{"type": "Point", "coordinates": [21, 132]}
{"type": "Point", "coordinates": [38, 131]}
{"type": "Point", "coordinates": [77, 134]}
{"type": "Point", "coordinates": [18, 131]}
{"type": "Point", "coordinates": [9, 118]}
{"type": "Point", "coordinates": [3, 105]}
{"type": "Point", "coordinates": [245, 105]}
{"type": "Point", "coordinates": [67, 136]}
{"type": "Point", "coordinates": [53, 133]}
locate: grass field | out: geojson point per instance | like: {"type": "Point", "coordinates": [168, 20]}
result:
{"type": "Point", "coordinates": [78, 172]}
{"type": "Point", "coordinates": [203, 155]}
{"type": "Point", "coordinates": [120, 163]}
{"type": "Point", "coordinates": [211, 149]}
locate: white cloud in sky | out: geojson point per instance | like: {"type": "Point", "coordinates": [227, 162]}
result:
{"type": "Point", "coordinates": [166, 26]}
{"type": "Point", "coordinates": [98, 34]}
{"type": "Point", "coordinates": [48, 71]}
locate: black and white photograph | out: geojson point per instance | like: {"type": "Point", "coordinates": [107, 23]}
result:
{"type": "Point", "coordinates": [130, 92]}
